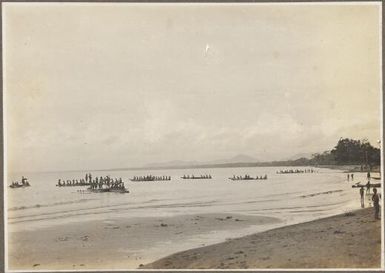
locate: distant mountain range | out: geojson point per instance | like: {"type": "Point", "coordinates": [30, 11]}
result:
{"type": "Point", "coordinates": [241, 158]}
{"type": "Point", "coordinates": [298, 156]}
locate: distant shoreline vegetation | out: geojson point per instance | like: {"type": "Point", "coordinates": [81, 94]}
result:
{"type": "Point", "coordinates": [347, 152]}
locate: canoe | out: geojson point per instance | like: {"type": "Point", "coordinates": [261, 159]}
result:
{"type": "Point", "coordinates": [148, 180]}
{"type": "Point", "coordinates": [250, 178]}
{"type": "Point", "coordinates": [377, 185]}
{"type": "Point", "coordinates": [108, 190]}
{"type": "Point", "coordinates": [196, 177]}
{"type": "Point", "coordinates": [19, 186]}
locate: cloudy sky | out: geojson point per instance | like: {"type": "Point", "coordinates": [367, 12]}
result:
{"type": "Point", "coordinates": [122, 85]}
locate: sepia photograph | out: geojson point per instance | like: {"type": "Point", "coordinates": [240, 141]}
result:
{"type": "Point", "coordinates": [192, 136]}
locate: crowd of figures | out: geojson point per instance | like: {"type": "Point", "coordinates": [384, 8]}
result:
{"type": "Point", "coordinates": [24, 183]}
{"type": "Point", "coordinates": [150, 178]}
{"type": "Point", "coordinates": [73, 182]}
{"type": "Point", "coordinates": [205, 176]}
{"type": "Point", "coordinates": [101, 182]}
{"type": "Point", "coordinates": [107, 183]}
{"type": "Point", "coordinates": [375, 197]}
{"type": "Point", "coordinates": [248, 177]}
{"type": "Point", "coordinates": [295, 171]}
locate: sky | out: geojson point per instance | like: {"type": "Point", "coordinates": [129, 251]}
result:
{"type": "Point", "coordinates": [96, 86]}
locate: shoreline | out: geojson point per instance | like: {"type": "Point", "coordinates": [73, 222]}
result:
{"type": "Point", "coordinates": [349, 240]}
{"type": "Point", "coordinates": [349, 168]}
{"type": "Point", "coordinates": [119, 243]}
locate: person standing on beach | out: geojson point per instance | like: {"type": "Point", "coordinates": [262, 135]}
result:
{"type": "Point", "coordinates": [348, 176]}
{"type": "Point", "coordinates": [376, 204]}
{"type": "Point", "coordinates": [362, 197]}
{"type": "Point", "coordinates": [352, 175]}
{"type": "Point", "coordinates": [368, 187]}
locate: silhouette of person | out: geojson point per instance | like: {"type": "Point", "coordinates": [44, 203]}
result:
{"type": "Point", "coordinates": [362, 197]}
{"type": "Point", "coordinates": [376, 204]}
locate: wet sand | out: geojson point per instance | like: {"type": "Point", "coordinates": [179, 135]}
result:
{"type": "Point", "coordinates": [119, 243]}
{"type": "Point", "coordinates": [351, 240]}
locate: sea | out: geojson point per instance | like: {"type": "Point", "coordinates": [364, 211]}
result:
{"type": "Point", "coordinates": [293, 198]}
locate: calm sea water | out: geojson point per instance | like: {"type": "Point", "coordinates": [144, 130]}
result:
{"type": "Point", "coordinates": [291, 197]}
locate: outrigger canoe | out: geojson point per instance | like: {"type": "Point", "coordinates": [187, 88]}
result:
{"type": "Point", "coordinates": [196, 177]}
{"type": "Point", "coordinates": [148, 180]}
{"type": "Point", "coordinates": [108, 190]}
{"type": "Point", "coordinates": [243, 178]}
{"type": "Point", "coordinates": [73, 185]}
{"type": "Point", "coordinates": [15, 186]}
{"type": "Point", "coordinates": [376, 185]}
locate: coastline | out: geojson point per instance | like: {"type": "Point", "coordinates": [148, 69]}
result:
{"type": "Point", "coordinates": [120, 243]}
{"type": "Point", "coordinates": [350, 240]}
{"type": "Point", "coordinates": [350, 168]}
{"type": "Point", "coordinates": [123, 239]}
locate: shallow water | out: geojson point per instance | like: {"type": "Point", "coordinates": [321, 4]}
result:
{"type": "Point", "coordinates": [292, 198]}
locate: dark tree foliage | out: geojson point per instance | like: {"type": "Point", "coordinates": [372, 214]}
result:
{"type": "Point", "coordinates": [326, 158]}
{"type": "Point", "coordinates": [350, 151]}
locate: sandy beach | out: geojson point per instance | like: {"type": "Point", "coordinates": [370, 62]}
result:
{"type": "Point", "coordinates": [117, 243]}
{"type": "Point", "coordinates": [350, 240]}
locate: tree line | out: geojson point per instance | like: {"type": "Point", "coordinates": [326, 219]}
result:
{"type": "Point", "coordinates": [349, 152]}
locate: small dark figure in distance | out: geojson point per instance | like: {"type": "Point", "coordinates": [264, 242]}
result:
{"type": "Point", "coordinates": [362, 197]}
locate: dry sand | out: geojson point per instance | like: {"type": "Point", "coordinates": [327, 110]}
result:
{"type": "Point", "coordinates": [351, 240]}
{"type": "Point", "coordinates": [118, 243]}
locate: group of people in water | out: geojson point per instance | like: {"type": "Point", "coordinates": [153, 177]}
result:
{"type": "Point", "coordinates": [24, 183]}
{"type": "Point", "coordinates": [73, 182]}
{"type": "Point", "coordinates": [295, 171]}
{"type": "Point", "coordinates": [106, 183]}
{"type": "Point", "coordinates": [151, 178]}
{"type": "Point", "coordinates": [248, 177]}
{"type": "Point", "coordinates": [97, 183]}
{"type": "Point", "coordinates": [204, 176]}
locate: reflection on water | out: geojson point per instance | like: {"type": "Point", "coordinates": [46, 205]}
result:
{"type": "Point", "coordinates": [290, 197]}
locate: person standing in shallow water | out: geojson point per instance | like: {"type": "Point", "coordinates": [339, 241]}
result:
{"type": "Point", "coordinates": [362, 197]}
{"type": "Point", "coordinates": [376, 204]}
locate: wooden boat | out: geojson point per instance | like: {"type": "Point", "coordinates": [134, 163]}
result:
{"type": "Point", "coordinates": [358, 185]}
{"type": "Point", "coordinates": [124, 190]}
{"type": "Point", "coordinates": [16, 186]}
{"type": "Point", "coordinates": [149, 179]}
{"type": "Point", "coordinates": [143, 180]}
{"type": "Point", "coordinates": [246, 178]}
{"type": "Point", "coordinates": [72, 185]}
{"type": "Point", "coordinates": [121, 190]}
{"type": "Point", "coordinates": [196, 177]}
